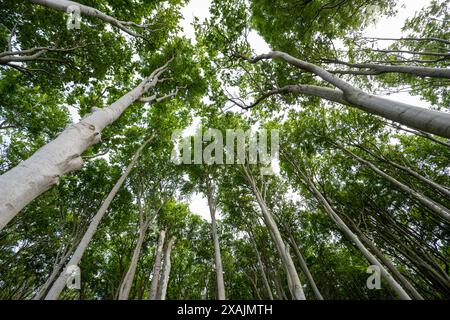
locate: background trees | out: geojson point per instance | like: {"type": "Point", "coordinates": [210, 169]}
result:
{"type": "Point", "coordinates": [359, 182]}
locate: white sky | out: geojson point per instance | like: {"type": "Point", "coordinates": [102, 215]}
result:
{"type": "Point", "coordinates": [387, 27]}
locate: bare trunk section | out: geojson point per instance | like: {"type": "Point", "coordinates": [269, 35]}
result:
{"type": "Point", "coordinates": [127, 282]}
{"type": "Point", "coordinates": [439, 210]}
{"type": "Point", "coordinates": [261, 268]}
{"type": "Point", "coordinates": [217, 255]}
{"type": "Point", "coordinates": [349, 234]}
{"type": "Point", "coordinates": [377, 69]}
{"type": "Point", "coordinates": [60, 283]}
{"type": "Point", "coordinates": [23, 183]}
{"type": "Point", "coordinates": [64, 5]}
{"type": "Point", "coordinates": [444, 191]}
{"type": "Point", "coordinates": [396, 274]}
{"type": "Point", "coordinates": [295, 285]}
{"type": "Point", "coordinates": [157, 266]}
{"type": "Point", "coordinates": [305, 268]}
{"type": "Point", "coordinates": [162, 290]}
{"type": "Point", "coordinates": [423, 119]}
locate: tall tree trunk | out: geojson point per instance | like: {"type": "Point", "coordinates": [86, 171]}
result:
{"type": "Point", "coordinates": [387, 262]}
{"type": "Point", "coordinates": [157, 266]}
{"type": "Point", "coordinates": [60, 283]}
{"type": "Point", "coordinates": [23, 183]}
{"type": "Point", "coordinates": [439, 210]}
{"type": "Point", "coordinates": [127, 282]}
{"type": "Point", "coordinates": [261, 268]}
{"type": "Point", "coordinates": [64, 5]}
{"type": "Point", "coordinates": [162, 290]}
{"type": "Point", "coordinates": [305, 268]}
{"type": "Point", "coordinates": [294, 280]}
{"type": "Point", "coordinates": [423, 119]}
{"type": "Point", "coordinates": [217, 255]}
{"type": "Point", "coordinates": [444, 191]}
{"type": "Point", "coordinates": [348, 233]}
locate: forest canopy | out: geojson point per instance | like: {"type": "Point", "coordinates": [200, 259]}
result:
{"type": "Point", "coordinates": [280, 150]}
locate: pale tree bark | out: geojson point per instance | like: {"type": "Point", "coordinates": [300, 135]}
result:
{"type": "Point", "coordinates": [348, 233]}
{"type": "Point", "coordinates": [437, 209]}
{"type": "Point", "coordinates": [305, 268]}
{"type": "Point", "coordinates": [395, 273]}
{"type": "Point", "coordinates": [423, 119]}
{"type": "Point", "coordinates": [162, 288]}
{"type": "Point", "coordinates": [261, 268]}
{"type": "Point", "coordinates": [377, 69]}
{"type": "Point", "coordinates": [60, 283]}
{"type": "Point", "coordinates": [23, 183]}
{"type": "Point", "coordinates": [64, 5]}
{"type": "Point", "coordinates": [443, 190]}
{"type": "Point", "coordinates": [295, 285]}
{"type": "Point", "coordinates": [157, 266]}
{"type": "Point", "coordinates": [59, 264]}
{"type": "Point", "coordinates": [217, 256]}
{"type": "Point", "coordinates": [127, 282]}
{"type": "Point", "coordinates": [144, 223]}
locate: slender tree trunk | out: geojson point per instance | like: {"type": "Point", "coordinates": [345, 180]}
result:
{"type": "Point", "coordinates": [217, 255]}
{"type": "Point", "coordinates": [349, 234]}
{"type": "Point", "coordinates": [127, 282]}
{"type": "Point", "coordinates": [263, 272]}
{"type": "Point", "coordinates": [305, 268]}
{"type": "Point", "coordinates": [51, 279]}
{"type": "Point", "coordinates": [294, 280]}
{"type": "Point", "coordinates": [162, 290]}
{"type": "Point", "coordinates": [157, 266]}
{"type": "Point", "coordinates": [423, 119]}
{"type": "Point", "coordinates": [439, 210]}
{"type": "Point", "coordinates": [60, 283]}
{"type": "Point", "coordinates": [23, 183]}
{"type": "Point", "coordinates": [64, 5]}
{"type": "Point", "coordinates": [444, 191]}
{"type": "Point", "coordinates": [387, 262]}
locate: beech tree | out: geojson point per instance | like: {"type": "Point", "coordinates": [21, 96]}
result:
{"type": "Point", "coordinates": [91, 111]}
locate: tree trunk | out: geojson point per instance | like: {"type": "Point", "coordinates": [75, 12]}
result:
{"type": "Point", "coordinates": [295, 284]}
{"type": "Point", "coordinates": [157, 266]}
{"type": "Point", "coordinates": [305, 268]}
{"type": "Point", "coordinates": [439, 210]}
{"type": "Point", "coordinates": [162, 290]}
{"type": "Point", "coordinates": [217, 255]}
{"type": "Point", "coordinates": [263, 272]}
{"type": "Point", "coordinates": [127, 282]}
{"type": "Point", "coordinates": [387, 262]}
{"type": "Point", "coordinates": [60, 283]}
{"type": "Point", "coordinates": [64, 5]}
{"type": "Point", "coordinates": [349, 234]}
{"type": "Point", "coordinates": [23, 183]}
{"type": "Point", "coordinates": [444, 191]}
{"type": "Point", "coordinates": [423, 119]}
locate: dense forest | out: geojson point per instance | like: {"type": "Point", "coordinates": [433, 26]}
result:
{"type": "Point", "coordinates": [104, 106]}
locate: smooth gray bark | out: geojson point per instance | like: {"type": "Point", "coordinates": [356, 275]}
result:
{"type": "Point", "coordinates": [63, 5]}
{"type": "Point", "coordinates": [423, 119]}
{"type": "Point", "coordinates": [60, 283]}
{"type": "Point", "coordinates": [292, 275]}
{"type": "Point", "coordinates": [217, 255]}
{"type": "Point", "coordinates": [157, 266]}
{"type": "Point", "coordinates": [29, 179]}
{"type": "Point", "coordinates": [162, 290]}
{"type": "Point", "coordinates": [439, 210]}
{"type": "Point", "coordinates": [349, 234]}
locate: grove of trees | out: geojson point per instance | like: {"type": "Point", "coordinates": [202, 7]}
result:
{"type": "Point", "coordinates": [88, 179]}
